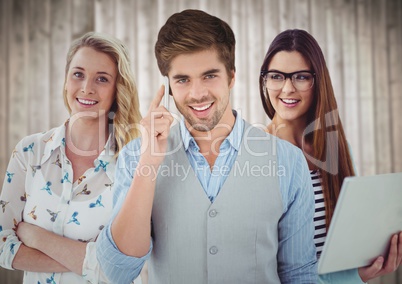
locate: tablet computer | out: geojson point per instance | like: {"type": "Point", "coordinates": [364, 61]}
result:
{"type": "Point", "coordinates": [367, 214]}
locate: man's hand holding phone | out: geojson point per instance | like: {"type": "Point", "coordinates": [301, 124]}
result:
{"type": "Point", "coordinates": [156, 127]}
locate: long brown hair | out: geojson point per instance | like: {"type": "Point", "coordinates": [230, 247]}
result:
{"type": "Point", "coordinates": [324, 128]}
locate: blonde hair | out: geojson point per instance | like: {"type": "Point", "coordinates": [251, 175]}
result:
{"type": "Point", "coordinates": [126, 105]}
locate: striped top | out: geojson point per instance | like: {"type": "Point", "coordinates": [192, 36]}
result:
{"type": "Point", "coordinates": [319, 215]}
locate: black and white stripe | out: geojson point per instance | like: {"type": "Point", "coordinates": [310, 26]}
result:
{"type": "Point", "coordinates": [319, 215]}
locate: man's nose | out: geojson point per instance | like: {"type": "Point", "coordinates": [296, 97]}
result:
{"type": "Point", "coordinates": [198, 89]}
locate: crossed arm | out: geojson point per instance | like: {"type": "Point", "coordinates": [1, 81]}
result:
{"type": "Point", "coordinates": [44, 251]}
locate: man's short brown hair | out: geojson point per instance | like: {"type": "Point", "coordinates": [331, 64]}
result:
{"type": "Point", "coordinates": [191, 31]}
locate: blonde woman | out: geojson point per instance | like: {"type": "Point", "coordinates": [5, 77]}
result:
{"type": "Point", "coordinates": [58, 191]}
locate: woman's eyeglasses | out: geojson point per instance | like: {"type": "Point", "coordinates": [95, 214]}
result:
{"type": "Point", "coordinates": [301, 80]}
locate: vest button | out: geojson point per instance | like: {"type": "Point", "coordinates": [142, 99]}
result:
{"type": "Point", "coordinates": [213, 213]}
{"type": "Point", "coordinates": [213, 250]}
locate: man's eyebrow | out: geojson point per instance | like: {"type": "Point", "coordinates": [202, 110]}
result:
{"type": "Point", "coordinates": [210, 71]}
{"type": "Point", "coordinates": [179, 76]}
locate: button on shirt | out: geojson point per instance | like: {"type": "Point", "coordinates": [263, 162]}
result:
{"type": "Point", "coordinates": [39, 189]}
{"type": "Point", "coordinates": [297, 220]}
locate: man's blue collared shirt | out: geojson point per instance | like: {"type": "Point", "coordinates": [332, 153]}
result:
{"type": "Point", "coordinates": [295, 229]}
{"type": "Point", "coordinates": [212, 179]}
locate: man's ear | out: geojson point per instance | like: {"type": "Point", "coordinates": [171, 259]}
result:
{"type": "Point", "coordinates": [232, 79]}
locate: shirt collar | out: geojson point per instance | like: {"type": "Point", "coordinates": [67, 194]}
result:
{"type": "Point", "coordinates": [58, 140]}
{"type": "Point", "coordinates": [234, 138]}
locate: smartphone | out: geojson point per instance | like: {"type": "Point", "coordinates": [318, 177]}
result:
{"type": "Point", "coordinates": [166, 94]}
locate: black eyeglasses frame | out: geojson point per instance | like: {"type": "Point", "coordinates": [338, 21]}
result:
{"type": "Point", "coordinates": [287, 75]}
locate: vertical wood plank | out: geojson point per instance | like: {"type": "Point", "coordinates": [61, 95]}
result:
{"type": "Point", "coordinates": [220, 9]}
{"type": "Point", "coordinates": [105, 16]}
{"type": "Point", "coordinates": [9, 41]}
{"type": "Point", "coordinates": [14, 31]}
{"type": "Point", "coordinates": [334, 50]}
{"type": "Point", "coordinates": [5, 153]}
{"type": "Point", "coordinates": [190, 4]}
{"type": "Point", "coordinates": [398, 129]}
{"type": "Point", "coordinates": [287, 14]}
{"type": "Point", "coordinates": [271, 24]}
{"type": "Point", "coordinates": [238, 98]}
{"type": "Point", "coordinates": [133, 41]}
{"type": "Point", "coordinates": [148, 81]}
{"type": "Point", "coordinates": [60, 40]}
{"type": "Point", "coordinates": [318, 22]}
{"type": "Point", "coordinates": [18, 93]}
{"type": "Point", "coordinates": [383, 137]}
{"type": "Point", "coordinates": [302, 14]}
{"type": "Point", "coordinates": [167, 8]}
{"type": "Point", "coordinates": [254, 54]}
{"type": "Point", "coordinates": [350, 92]}
{"type": "Point", "coordinates": [271, 28]}
{"type": "Point", "coordinates": [238, 95]}
{"type": "Point", "coordinates": [82, 17]}
{"type": "Point", "coordinates": [365, 87]}
{"type": "Point", "coordinates": [38, 66]}
{"type": "Point", "coordinates": [126, 30]}
{"type": "Point", "coordinates": [124, 21]}
{"type": "Point", "coordinates": [395, 68]}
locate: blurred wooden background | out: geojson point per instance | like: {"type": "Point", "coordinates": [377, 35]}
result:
{"type": "Point", "coordinates": [361, 40]}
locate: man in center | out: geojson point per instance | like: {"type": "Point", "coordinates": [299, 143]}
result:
{"type": "Point", "coordinates": [227, 219]}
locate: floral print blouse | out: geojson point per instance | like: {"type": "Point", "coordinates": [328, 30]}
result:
{"type": "Point", "coordinates": [39, 189]}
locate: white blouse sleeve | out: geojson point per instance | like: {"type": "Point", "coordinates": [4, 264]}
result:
{"type": "Point", "coordinates": [12, 201]}
{"type": "Point", "coordinates": [91, 270]}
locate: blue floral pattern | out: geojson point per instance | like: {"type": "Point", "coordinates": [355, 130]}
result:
{"type": "Point", "coordinates": [39, 189]}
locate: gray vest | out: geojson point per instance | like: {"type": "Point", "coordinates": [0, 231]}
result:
{"type": "Point", "coordinates": [232, 240]}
